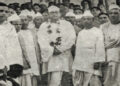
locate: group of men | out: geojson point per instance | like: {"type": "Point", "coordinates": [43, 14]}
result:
{"type": "Point", "coordinates": [85, 44]}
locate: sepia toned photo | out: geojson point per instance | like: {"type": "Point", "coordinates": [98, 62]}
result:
{"type": "Point", "coordinates": [59, 42]}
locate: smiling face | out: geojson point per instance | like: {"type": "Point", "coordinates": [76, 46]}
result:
{"type": "Point", "coordinates": [114, 16]}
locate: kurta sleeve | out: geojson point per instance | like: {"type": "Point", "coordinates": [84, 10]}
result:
{"type": "Point", "coordinates": [37, 48]}
{"type": "Point", "coordinates": [43, 40]}
{"type": "Point", "coordinates": [100, 48]}
{"type": "Point", "coordinates": [68, 37]}
{"type": "Point", "coordinates": [26, 61]}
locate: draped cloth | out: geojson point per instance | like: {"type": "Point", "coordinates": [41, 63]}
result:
{"type": "Point", "coordinates": [13, 49]}
{"type": "Point", "coordinates": [89, 50]}
{"type": "Point", "coordinates": [3, 58]}
{"type": "Point", "coordinates": [29, 48]}
{"type": "Point", "coordinates": [55, 65]}
{"type": "Point", "coordinates": [81, 78]}
{"type": "Point", "coordinates": [112, 43]}
{"type": "Point", "coordinates": [60, 62]}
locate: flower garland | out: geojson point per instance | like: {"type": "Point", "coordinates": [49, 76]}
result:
{"type": "Point", "coordinates": [58, 39]}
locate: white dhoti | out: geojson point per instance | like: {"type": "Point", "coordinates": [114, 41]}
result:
{"type": "Point", "coordinates": [26, 80]}
{"type": "Point", "coordinates": [55, 78]}
{"type": "Point", "coordinates": [112, 76]}
{"type": "Point", "coordinates": [81, 78]}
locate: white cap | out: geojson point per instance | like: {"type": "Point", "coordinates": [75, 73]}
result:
{"type": "Point", "coordinates": [26, 13]}
{"type": "Point", "coordinates": [38, 15]}
{"type": "Point", "coordinates": [13, 17]}
{"type": "Point", "coordinates": [71, 14]}
{"type": "Point", "coordinates": [31, 13]}
{"type": "Point", "coordinates": [53, 9]}
{"type": "Point", "coordinates": [43, 3]}
{"type": "Point", "coordinates": [87, 13]}
{"type": "Point", "coordinates": [78, 16]}
{"type": "Point", "coordinates": [113, 6]}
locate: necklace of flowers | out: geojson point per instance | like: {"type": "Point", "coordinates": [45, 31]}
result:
{"type": "Point", "coordinates": [58, 39]}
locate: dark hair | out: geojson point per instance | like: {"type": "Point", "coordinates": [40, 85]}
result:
{"type": "Point", "coordinates": [45, 11]}
{"type": "Point", "coordinates": [77, 6]}
{"type": "Point", "coordinates": [13, 5]}
{"type": "Point", "coordinates": [100, 5]}
{"type": "Point", "coordinates": [3, 4]}
{"type": "Point", "coordinates": [36, 4]}
{"type": "Point", "coordinates": [27, 5]}
{"type": "Point", "coordinates": [43, 8]}
{"type": "Point", "coordinates": [83, 5]}
{"type": "Point", "coordinates": [71, 5]}
{"type": "Point", "coordinates": [23, 6]}
{"type": "Point", "coordinates": [79, 9]}
{"type": "Point", "coordinates": [51, 3]}
{"type": "Point", "coordinates": [95, 8]}
{"type": "Point", "coordinates": [103, 14]}
{"type": "Point", "coordinates": [118, 2]}
{"type": "Point", "coordinates": [65, 0]}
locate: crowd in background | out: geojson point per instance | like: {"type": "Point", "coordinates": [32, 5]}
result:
{"type": "Point", "coordinates": [59, 44]}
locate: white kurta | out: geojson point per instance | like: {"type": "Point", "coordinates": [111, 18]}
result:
{"type": "Point", "coordinates": [112, 36]}
{"type": "Point", "coordinates": [112, 33]}
{"type": "Point", "coordinates": [60, 62]}
{"type": "Point", "coordinates": [29, 46]}
{"type": "Point", "coordinates": [89, 49]}
{"type": "Point", "coordinates": [13, 49]}
{"type": "Point", "coordinates": [3, 58]}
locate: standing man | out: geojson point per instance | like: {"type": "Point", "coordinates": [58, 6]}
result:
{"type": "Point", "coordinates": [28, 43]}
{"type": "Point", "coordinates": [56, 38]}
{"type": "Point", "coordinates": [9, 55]}
{"type": "Point", "coordinates": [112, 44]}
{"type": "Point", "coordinates": [89, 55]}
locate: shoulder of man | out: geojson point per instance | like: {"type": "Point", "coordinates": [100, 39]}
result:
{"type": "Point", "coordinates": [106, 25]}
{"type": "Point", "coordinates": [44, 24]}
{"type": "Point", "coordinates": [97, 31]}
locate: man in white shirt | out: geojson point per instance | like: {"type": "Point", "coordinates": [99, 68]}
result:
{"type": "Point", "coordinates": [111, 32]}
{"type": "Point", "coordinates": [90, 53]}
{"type": "Point", "coordinates": [56, 37]}
{"type": "Point", "coordinates": [31, 72]}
